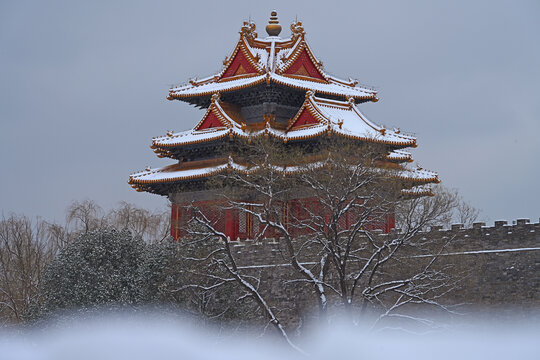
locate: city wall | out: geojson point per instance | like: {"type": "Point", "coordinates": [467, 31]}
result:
{"type": "Point", "coordinates": [499, 265]}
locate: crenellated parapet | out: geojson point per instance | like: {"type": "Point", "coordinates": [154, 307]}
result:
{"type": "Point", "coordinates": [499, 264]}
{"type": "Point", "coordinates": [520, 233]}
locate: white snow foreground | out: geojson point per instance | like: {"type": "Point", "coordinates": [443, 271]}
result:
{"type": "Point", "coordinates": [154, 336]}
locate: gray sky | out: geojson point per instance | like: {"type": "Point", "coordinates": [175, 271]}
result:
{"type": "Point", "coordinates": [83, 89]}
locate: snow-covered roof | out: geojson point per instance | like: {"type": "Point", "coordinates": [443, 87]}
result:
{"type": "Point", "coordinates": [175, 173]}
{"type": "Point", "coordinates": [185, 171]}
{"type": "Point", "coordinates": [273, 60]}
{"type": "Point", "coordinates": [212, 87]}
{"type": "Point", "coordinates": [420, 190]}
{"type": "Point", "coordinates": [399, 156]}
{"type": "Point", "coordinates": [417, 175]}
{"type": "Point", "coordinates": [338, 117]}
{"type": "Point", "coordinates": [344, 118]}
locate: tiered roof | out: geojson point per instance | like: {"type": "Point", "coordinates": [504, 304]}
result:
{"type": "Point", "coordinates": [151, 180]}
{"type": "Point", "coordinates": [316, 117]}
{"type": "Point", "coordinates": [330, 108]}
{"type": "Point", "coordinates": [287, 62]}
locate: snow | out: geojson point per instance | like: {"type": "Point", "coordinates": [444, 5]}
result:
{"type": "Point", "coordinates": [331, 88]}
{"type": "Point", "coordinates": [303, 133]}
{"type": "Point", "coordinates": [264, 266]}
{"type": "Point", "coordinates": [190, 136]}
{"type": "Point", "coordinates": [399, 155]}
{"type": "Point", "coordinates": [177, 173]}
{"type": "Point", "coordinates": [353, 124]}
{"type": "Point", "coordinates": [166, 335]}
{"type": "Point", "coordinates": [418, 190]}
{"type": "Point", "coordinates": [280, 55]}
{"type": "Point", "coordinates": [344, 118]}
{"type": "Point", "coordinates": [214, 87]}
{"type": "Point", "coordinates": [230, 85]}
{"type": "Point", "coordinates": [417, 174]}
{"type": "Point", "coordinates": [483, 252]}
{"type": "Point", "coordinates": [169, 173]}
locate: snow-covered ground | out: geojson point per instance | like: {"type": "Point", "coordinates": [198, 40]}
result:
{"type": "Point", "coordinates": [169, 337]}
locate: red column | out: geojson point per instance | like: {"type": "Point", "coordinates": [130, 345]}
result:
{"type": "Point", "coordinates": [231, 224]}
{"type": "Point", "coordinates": [174, 220]}
{"type": "Point", "coordinates": [285, 214]}
{"type": "Point", "coordinates": [390, 222]}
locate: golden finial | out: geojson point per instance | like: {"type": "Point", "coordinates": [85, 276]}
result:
{"type": "Point", "coordinates": [273, 28]}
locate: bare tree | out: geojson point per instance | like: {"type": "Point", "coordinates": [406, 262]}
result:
{"type": "Point", "coordinates": [85, 215]}
{"type": "Point", "coordinates": [25, 251]}
{"type": "Point", "coordinates": [332, 240]}
{"type": "Point", "coordinates": [59, 235]}
{"type": "Point", "coordinates": [466, 213]}
{"type": "Point", "coordinates": [222, 258]}
{"type": "Point", "coordinates": [151, 226]}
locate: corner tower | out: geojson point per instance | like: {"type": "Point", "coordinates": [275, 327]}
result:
{"type": "Point", "coordinates": [274, 87]}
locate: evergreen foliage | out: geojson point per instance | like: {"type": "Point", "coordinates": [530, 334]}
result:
{"type": "Point", "coordinates": [99, 267]}
{"type": "Point", "coordinates": [110, 269]}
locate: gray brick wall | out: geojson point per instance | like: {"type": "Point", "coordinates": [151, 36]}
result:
{"type": "Point", "coordinates": [500, 265]}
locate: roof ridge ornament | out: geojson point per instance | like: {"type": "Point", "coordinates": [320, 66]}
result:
{"type": "Point", "coordinates": [273, 28]}
{"type": "Point", "coordinates": [248, 30]}
{"type": "Point", "coordinates": [297, 29]}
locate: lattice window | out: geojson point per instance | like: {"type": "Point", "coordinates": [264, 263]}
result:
{"type": "Point", "coordinates": [242, 221]}
{"type": "Point", "coordinates": [256, 226]}
{"type": "Point", "coordinates": [218, 218]}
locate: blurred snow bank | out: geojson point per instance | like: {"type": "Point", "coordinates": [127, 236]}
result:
{"type": "Point", "coordinates": [151, 336]}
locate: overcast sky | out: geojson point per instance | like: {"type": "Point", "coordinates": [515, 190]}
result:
{"type": "Point", "coordinates": [83, 89]}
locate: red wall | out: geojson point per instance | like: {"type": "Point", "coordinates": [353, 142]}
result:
{"type": "Point", "coordinates": [242, 225]}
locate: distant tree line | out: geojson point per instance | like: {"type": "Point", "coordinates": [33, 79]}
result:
{"type": "Point", "coordinates": [124, 257]}
{"type": "Point", "coordinates": [28, 247]}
